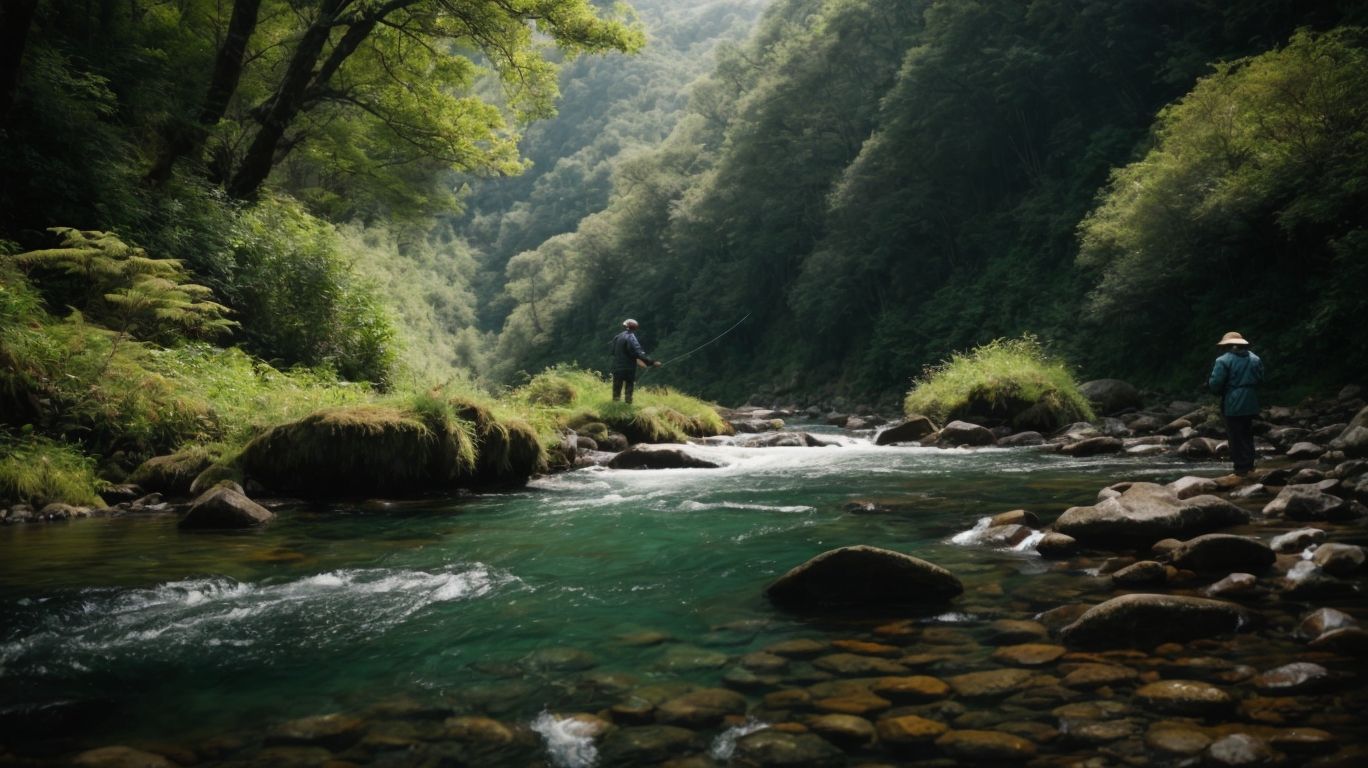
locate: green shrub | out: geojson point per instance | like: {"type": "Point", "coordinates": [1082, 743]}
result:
{"type": "Point", "coordinates": [1006, 381]}
{"type": "Point", "coordinates": [39, 471]}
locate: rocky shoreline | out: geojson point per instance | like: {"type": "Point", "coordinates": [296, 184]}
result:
{"type": "Point", "coordinates": [1206, 621]}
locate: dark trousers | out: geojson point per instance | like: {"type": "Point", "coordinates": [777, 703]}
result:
{"type": "Point", "coordinates": [621, 380]}
{"type": "Point", "coordinates": [1240, 434]}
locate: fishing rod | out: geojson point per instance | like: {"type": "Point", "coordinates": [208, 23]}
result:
{"type": "Point", "coordinates": [713, 340]}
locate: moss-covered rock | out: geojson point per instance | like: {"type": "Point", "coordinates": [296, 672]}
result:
{"type": "Point", "coordinates": [174, 474]}
{"type": "Point", "coordinates": [364, 450]}
{"type": "Point", "coordinates": [507, 451]}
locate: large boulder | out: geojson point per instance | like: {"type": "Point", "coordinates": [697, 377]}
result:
{"type": "Point", "coordinates": [224, 507]}
{"type": "Point", "coordinates": [1145, 513]}
{"type": "Point", "coordinates": [1093, 446]}
{"type": "Point", "coordinates": [910, 431]}
{"type": "Point", "coordinates": [964, 433]}
{"type": "Point", "coordinates": [1308, 502]}
{"type": "Point", "coordinates": [507, 451]}
{"type": "Point", "coordinates": [863, 576]}
{"type": "Point", "coordinates": [1222, 553]}
{"type": "Point", "coordinates": [1110, 396]}
{"type": "Point", "coordinates": [1145, 620]}
{"type": "Point", "coordinates": [660, 457]}
{"type": "Point", "coordinates": [1353, 441]}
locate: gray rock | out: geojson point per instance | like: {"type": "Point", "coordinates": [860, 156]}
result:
{"type": "Point", "coordinates": [1292, 679]}
{"type": "Point", "coordinates": [648, 745]}
{"type": "Point", "coordinates": [1222, 552]}
{"type": "Point", "coordinates": [660, 457]}
{"type": "Point", "coordinates": [1146, 620]}
{"type": "Point", "coordinates": [1093, 446]}
{"type": "Point", "coordinates": [775, 440]}
{"type": "Point", "coordinates": [1307, 502]}
{"type": "Point", "coordinates": [1145, 513]}
{"type": "Point", "coordinates": [1184, 697]}
{"type": "Point", "coordinates": [1016, 517]}
{"type": "Point", "coordinates": [701, 709]}
{"type": "Point", "coordinates": [1308, 580]}
{"type": "Point", "coordinates": [1296, 541]}
{"type": "Point", "coordinates": [1234, 584]}
{"type": "Point", "coordinates": [964, 433]}
{"type": "Point", "coordinates": [1187, 487]}
{"type": "Point", "coordinates": [1339, 559]}
{"type": "Point", "coordinates": [769, 748]}
{"type": "Point", "coordinates": [1304, 450]}
{"type": "Point", "coordinates": [863, 576]}
{"type": "Point", "coordinates": [222, 507]}
{"type": "Point", "coordinates": [1142, 574]}
{"type": "Point", "coordinates": [1322, 620]}
{"type": "Point", "coordinates": [1240, 749]}
{"type": "Point", "coordinates": [1199, 448]}
{"type": "Point", "coordinates": [1110, 396]}
{"type": "Point", "coordinates": [910, 431]}
{"type": "Point", "coordinates": [1353, 441]}
{"type": "Point", "coordinates": [1021, 439]}
{"type": "Point", "coordinates": [1054, 545]}
{"type": "Point", "coordinates": [1347, 640]}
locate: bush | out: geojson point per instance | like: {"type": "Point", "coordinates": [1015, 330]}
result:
{"type": "Point", "coordinates": [38, 471]}
{"type": "Point", "coordinates": [1006, 381]}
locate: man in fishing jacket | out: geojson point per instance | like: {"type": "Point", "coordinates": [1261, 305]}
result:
{"type": "Point", "coordinates": [627, 352]}
{"type": "Point", "coordinates": [1235, 377]}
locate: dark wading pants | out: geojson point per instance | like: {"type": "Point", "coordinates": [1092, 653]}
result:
{"type": "Point", "coordinates": [1240, 433]}
{"type": "Point", "coordinates": [624, 377]}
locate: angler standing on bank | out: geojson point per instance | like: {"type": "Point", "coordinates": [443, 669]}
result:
{"type": "Point", "coordinates": [1235, 377]}
{"type": "Point", "coordinates": [627, 355]}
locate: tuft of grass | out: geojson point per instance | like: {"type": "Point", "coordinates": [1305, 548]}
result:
{"type": "Point", "coordinates": [584, 401]}
{"type": "Point", "coordinates": [1011, 381]}
{"type": "Point", "coordinates": [38, 471]}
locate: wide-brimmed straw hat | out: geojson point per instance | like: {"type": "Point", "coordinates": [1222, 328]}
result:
{"type": "Point", "coordinates": [1233, 337]}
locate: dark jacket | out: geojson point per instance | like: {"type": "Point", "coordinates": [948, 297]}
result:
{"type": "Point", "coordinates": [1234, 377]}
{"type": "Point", "coordinates": [626, 351]}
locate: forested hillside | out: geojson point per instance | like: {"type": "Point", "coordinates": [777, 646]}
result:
{"type": "Point", "coordinates": [877, 183]}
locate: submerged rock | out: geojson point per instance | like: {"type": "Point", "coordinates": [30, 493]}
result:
{"type": "Point", "coordinates": [772, 747]}
{"type": "Point", "coordinates": [863, 576]}
{"type": "Point", "coordinates": [1145, 620]}
{"type": "Point", "coordinates": [1146, 512]}
{"type": "Point", "coordinates": [660, 457]}
{"type": "Point", "coordinates": [1185, 697]}
{"type": "Point", "coordinates": [986, 746]}
{"type": "Point", "coordinates": [648, 745]}
{"type": "Point", "coordinates": [120, 757]}
{"type": "Point", "coordinates": [910, 431]}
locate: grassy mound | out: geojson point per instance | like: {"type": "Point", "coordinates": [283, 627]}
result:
{"type": "Point", "coordinates": [38, 471]}
{"type": "Point", "coordinates": [507, 450]}
{"type": "Point", "coordinates": [364, 450]}
{"type": "Point", "coordinates": [1007, 381]}
{"type": "Point", "coordinates": [583, 400]}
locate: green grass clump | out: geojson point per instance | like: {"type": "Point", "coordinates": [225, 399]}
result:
{"type": "Point", "coordinates": [1006, 381]}
{"type": "Point", "coordinates": [565, 397]}
{"type": "Point", "coordinates": [38, 471]}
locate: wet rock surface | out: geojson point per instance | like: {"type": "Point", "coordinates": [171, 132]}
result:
{"type": "Point", "coordinates": [863, 576]}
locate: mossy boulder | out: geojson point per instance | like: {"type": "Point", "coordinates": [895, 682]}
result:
{"type": "Point", "coordinates": [507, 452]}
{"type": "Point", "coordinates": [174, 474]}
{"type": "Point", "coordinates": [364, 450]}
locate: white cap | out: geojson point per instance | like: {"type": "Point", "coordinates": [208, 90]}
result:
{"type": "Point", "coordinates": [629, 323]}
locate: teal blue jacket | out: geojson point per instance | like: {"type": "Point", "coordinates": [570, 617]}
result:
{"type": "Point", "coordinates": [1234, 377]}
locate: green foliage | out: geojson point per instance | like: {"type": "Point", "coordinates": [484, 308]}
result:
{"type": "Point", "coordinates": [562, 396]}
{"type": "Point", "coordinates": [1004, 381]}
{"type": "Point", "coordinates": [38, 471]}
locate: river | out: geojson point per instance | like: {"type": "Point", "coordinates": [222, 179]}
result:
{"type": "Point", "coordinates": [562, 597]}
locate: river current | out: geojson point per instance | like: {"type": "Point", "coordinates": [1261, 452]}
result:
{"type": "Point", "coordinates": [552, 598]}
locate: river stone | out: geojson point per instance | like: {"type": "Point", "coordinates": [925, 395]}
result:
{"type": "Point", "coordinates": [991, 684]}
{"type": "Point", "coordinates": [1296, 541]}
{"type": "Point", "coordinates": [1176, 739]}
{"type": "Point", "coordinates": [1353, 441]}
{"type": "Point", "coordinates": [1091, 675]}
{"type": "Point", "coordinates": [1233, 584]}
{"type": "Point", "coordinates": [1339, 559]}
{"type": "Point", "coordinates": [1292, 679]}
{"type": "Point", "coordinates": [771, 748]}
{"type": "Point", "coordinates": [964, 433]}
{"type": "Point", "coordinates": [1021, 439]}
{"type": "Point", "coordinates": [561, 659]}
{"type": "Point", "coordinates": [1142, 574]}
{"type": "Point", "coordinates": [1322, 620]}
{"type": "Point", "coordinates": [1240, 749]}
{"type": "Point", "coordinates": [332, 731]}
{"type": "Point", "coordinates": [1184, 697]}
{"type": "Point", "coordinates": [701, 709]}
{"type": "Point", "coordinates": [474, 729]}
{"type": "Point", "coordinates": [647, 745]}
{"type": "Point", "coordinates": [911, 689]}
{"type": "Point", "coordinates": [1004, 535]}
{"type": "Point", "coordinates": [854, 664]}
{"type": "Point", "coordinates": [910, 431]}
{"type": "Point", "coordinates": [798, 649]}
{"type": "Point", "coordinates": [1145, 513]}
{"type": "Point", "coordinates": [908, 730]}
{"type": "Point", "coordinates": [1199, 448]}
{"type": "Point", "coordinates": [863, 576]}
{"type": "Point", "coordinates": [986, 746]}
{"type": "Point", "coordinates": [1013, 631]}
{"type": "Point", "coordinates": [1352, 641]}
{"type": "Point", "coordinates": [763, 662]}
{"type": "Point", "coordinates": [847, 731]}
{"type": "Point", "coordinates": [1187, 487]}
{"type": "Point", "coordinates": [1222, 552]}
{"type": "Point", "coordinates": [1093, 446]}
{"type": "Point", "coordinates": [120, 757]}
{"type": "Point", "coordinates": [222, 507]}
{"type": "Point", "coordinates": [1306, 580]}
{"type": "Point", "coordinates": [1015, 517]}
{"type": "Point", "coordinates": [1146, 620]}
{"type": "Point", "coordinates": [1028, 654]}
{"type": "Point", "coordinates": [1307, 502]}
{"type": "Point", "coordinates": [660, 457]}
{"type": "Point", "coordinates": [1054, 545]}
{"type": "Point", "coordinates": [858, 702]}
{"type": "Point", "coordinates": [1110, 396]}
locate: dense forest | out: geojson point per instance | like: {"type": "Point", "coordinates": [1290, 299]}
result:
{"type": "Point", "coordinates": [877, 183]}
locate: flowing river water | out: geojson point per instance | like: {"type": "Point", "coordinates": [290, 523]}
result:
{"type": "Point", "coordinates": [580, 591]}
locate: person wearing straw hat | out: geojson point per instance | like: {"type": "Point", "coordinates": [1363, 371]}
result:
{"type": "Point", "coordinates": [627, 355]}
{"type": "Point", "coordinates": [1235, 377]}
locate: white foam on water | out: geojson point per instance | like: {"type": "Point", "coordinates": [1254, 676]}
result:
{"type": "Point", "coordinates": [974, 535]}
{"type": "Point", "coordinates": [1029, 543]}
{"type": "Point", "coordinates": [703, 506]}
{"type": "Point", "coordinates": [724, 746]}
{"type": "Point", "coordinates": [569, 742]}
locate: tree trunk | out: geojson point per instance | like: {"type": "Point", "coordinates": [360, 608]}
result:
{"type": "Point", "coordinates": [298, 84]}
{"type": "Point", "coordinates": [179, 140]}
{"type": "Point", "coordinates": [16, 16]}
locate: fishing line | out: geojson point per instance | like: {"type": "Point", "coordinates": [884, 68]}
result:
{"type": "Point", "coordinates": [713, 340]}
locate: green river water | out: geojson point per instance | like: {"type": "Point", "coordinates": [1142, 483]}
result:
{"type": "Point", "coordinates": [124, 629]}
